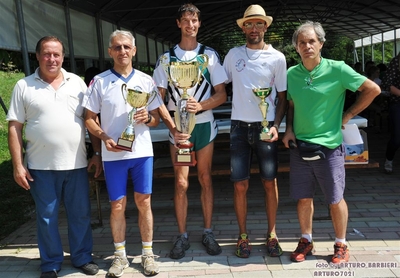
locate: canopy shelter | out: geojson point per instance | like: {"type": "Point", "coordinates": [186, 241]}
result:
{"type": "Point", "coordinates": [87, 23]}
{"type": "Point", "coordinates": [156, 18]}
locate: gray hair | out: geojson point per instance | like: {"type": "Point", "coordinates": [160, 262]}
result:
{"type": "Point", "coordinates": [121, 33]}
{"type": "Point", "coordinates": [319, 31]}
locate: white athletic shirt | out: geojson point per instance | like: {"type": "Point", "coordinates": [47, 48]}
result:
{"type": "Point", "coordinates": [262, 69]}
{"type": "Point", "coordinates": [55, 130]}
{"type": "Point", "coordinates": [105, 97]}
{"type": "Point", "coordinates": [217, 76]}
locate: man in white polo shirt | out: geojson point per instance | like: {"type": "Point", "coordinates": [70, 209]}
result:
{"type": "Point", "coordinates": [49, 104]}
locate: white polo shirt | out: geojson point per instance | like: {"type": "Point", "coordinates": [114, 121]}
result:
{"type": "Point", "coordinates": [54, 130]}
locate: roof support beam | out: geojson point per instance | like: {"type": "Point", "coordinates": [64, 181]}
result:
{"type": "Point", "coordinates": [69, 36]}
{"type": "Point", "coordinates": [22, 36]}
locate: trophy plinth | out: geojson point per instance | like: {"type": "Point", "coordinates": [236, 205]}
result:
{"type": "Point", "coordinates": [263, 93]}
{"type": "Point", "coordinates": [136, 99]}
{"type": "Point", "coordinates": [184, 156]}
{"type": "Point", "coordinates": [185, 75]}
{"type": "Point", "coordinates": [125, 142]}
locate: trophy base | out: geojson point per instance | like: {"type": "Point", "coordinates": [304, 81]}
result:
{"type": "Point", "coordinates": [185, 159]}
{"type": "Point", "coordinates": [186, 145]}
{"type": "Point", "coordinates": [124, 144]}
{"type": "Point", "coordinates": [265, 136]}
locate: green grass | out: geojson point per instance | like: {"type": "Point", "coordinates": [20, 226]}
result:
{"type": "Point", "coordinates": [16, 204]}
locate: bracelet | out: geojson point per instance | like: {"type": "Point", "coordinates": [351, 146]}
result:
{"type": "Point", "coordinates": [149, 119]}
{"type": "Point", "coordinates": [96, 153]}
{"type": "Point", "coordinates": [276, 126]}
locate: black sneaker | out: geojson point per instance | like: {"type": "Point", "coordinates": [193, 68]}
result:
{"type": "Point", "coordinates": [49, 274]}
{"type": "Point", "coordinates": [211, 244]}
{"type": "Point", "coordinates": [181, 244]}
{"type": "Point", "coordinates": [90, 268]}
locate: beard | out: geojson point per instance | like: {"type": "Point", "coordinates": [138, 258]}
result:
{"type": "Point", "coordinates": [253, 40]}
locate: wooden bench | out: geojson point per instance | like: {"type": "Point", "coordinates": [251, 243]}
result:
{"type": "Point", "coordinates": [217, 170]}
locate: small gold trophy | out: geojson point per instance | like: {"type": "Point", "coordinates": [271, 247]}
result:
{"type": "Point", "coordinates": [136, 99]}
{"type": "Point", "coordinates": [263, 93]}
{"type": "Point", "coordinates": [185, 75]}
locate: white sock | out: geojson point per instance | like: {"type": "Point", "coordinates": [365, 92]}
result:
{"type": "Point", "coordinates": [120, 248]}
{"type": "Point", "coordinates": [341, 240]}
{"type": "Point", "coordinates": [147, 248]}
{"type": "Point", "coordinates": [307, 236]}
{"type": "Point", "coordinates": [209, 230]}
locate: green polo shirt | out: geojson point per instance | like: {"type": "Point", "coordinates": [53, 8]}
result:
{"type": "Point", "coordinates": [318, 98]}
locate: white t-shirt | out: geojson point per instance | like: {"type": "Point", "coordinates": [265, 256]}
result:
{"type": "Point", "coordinates": [254, 69]}
{"type": "Point", "coordinates": [55, 130]}
{"type": "Point", "coordinates": [202, 92]}
{"type": "Point", "coordinates": [105, 97]}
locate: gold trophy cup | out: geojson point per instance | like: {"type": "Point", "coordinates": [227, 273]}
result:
{"type": "Point", "coordinates": [263, 93]}
{"type": "Point", "coordinates": [185, 75]}
{"type": "Point", "coordinates": [136, 99]}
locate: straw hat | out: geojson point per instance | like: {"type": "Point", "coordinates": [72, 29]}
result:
{"type": "Point", "coordinates": [254, 12]}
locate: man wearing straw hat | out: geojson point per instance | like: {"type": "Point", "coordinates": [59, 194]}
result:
{"type": "Point", "coordinates": [250, 67]}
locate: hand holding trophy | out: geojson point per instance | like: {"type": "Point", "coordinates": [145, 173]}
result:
{"type": "Point", "coordinates": [185, 75]}
{"type": "Point", "coordinates": [136, 99]}
{"type": "Point", "coordinates": [263, 93]}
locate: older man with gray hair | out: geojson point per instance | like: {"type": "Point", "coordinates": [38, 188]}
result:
{"type": "Point", "coordinates": [316, 92]}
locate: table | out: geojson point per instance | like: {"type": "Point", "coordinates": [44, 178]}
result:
{"type": "Point", "coordinates": [160, 133]}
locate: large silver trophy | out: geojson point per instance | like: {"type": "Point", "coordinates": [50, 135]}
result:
{"type": "Point", "coordinates": [185, 75]}
{"type": "Point", "coordinates": [263, 93]}
{"type": "Point", "coordinates": [136, 99]}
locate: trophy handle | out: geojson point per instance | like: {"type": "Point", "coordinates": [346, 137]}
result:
{"type": "Point", "coordinates": [203, 62]}
{"type": "Point", "coordinates": [123, 90]}
{"type": "Point", "coordinates": [153, 96]}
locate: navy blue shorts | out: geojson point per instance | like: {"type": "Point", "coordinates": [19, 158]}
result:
{"type": "Point", "coordinates": [245, 140]}
{"type": "Point", "coordinates": [328, 173]}
{"type": "Point", "coordinates": [116, 174]}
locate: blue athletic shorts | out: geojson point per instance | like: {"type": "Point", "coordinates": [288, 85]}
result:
{"type": "Point", "coordinates": [328, 173]}
{"type": "Point", "coordinates": [116, 175]}
{"type": "Point", "coordinates": [244, 141]}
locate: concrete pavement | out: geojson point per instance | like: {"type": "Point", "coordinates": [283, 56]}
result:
{"type": "Point", "coordinates": [373, 232]}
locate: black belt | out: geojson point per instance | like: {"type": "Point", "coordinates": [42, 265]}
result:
{"type": "Point", "coordinates": [245, 124]}
{"type": "Point", "coordinates": [172, 113]}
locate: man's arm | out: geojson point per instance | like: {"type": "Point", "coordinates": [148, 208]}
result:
{"type": "Point", "coordinates": [279, 114]}
{"type": "Point", "coordinates": [15, 145]}
{"type": "Point", "coordinates": [368, 91]}
{"type": "Point", "coordinates": [394, 90]}
{"type": "Point", "coordinates": [289, 134]}
{"type": "Point", "coordinates": [95, 130]}
{"type": "Point", "coordinates": [95, 160]}
{"type": "Point", "coordinates": [218, 98]}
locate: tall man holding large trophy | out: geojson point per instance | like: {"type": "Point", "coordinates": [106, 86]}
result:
{"type": "Point", "coordinates": [128, 101]}
{"type": "Point", "coordinates": [258, 75]}
{"type": "Point", "coordinates": [191, 98]}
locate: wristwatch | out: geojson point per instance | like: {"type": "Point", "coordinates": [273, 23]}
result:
{"type": "Point", "coordinates": [149, 119]}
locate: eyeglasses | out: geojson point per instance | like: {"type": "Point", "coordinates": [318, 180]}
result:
{"type": "Point", "coordinates": [118, 48]}
{"type": "Point", "coordinates": [250, 25]}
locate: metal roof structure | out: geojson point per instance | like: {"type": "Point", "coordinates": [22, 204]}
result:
{"type": "Point", "coordinates": [156, 18]}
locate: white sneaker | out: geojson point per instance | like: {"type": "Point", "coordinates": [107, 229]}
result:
{"type": "Point", "coordinates": [118, 266]}
{"type": "Point", "coordinates": [388, 166]}
{"type": "Point", "coordinates": [149, 265]}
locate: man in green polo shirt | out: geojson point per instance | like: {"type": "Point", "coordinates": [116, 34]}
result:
{"type": "Point", "coordinates": [316, 93]}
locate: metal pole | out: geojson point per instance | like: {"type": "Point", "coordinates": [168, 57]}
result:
{"type": "Point", "coordinates": [100, 44]}
{"type": "Point", "coordinates": [69, 35]}
{"type": "Point", "coordinates": [22, 36]}
{"type": "Point", "coordinates": [383, 49]}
